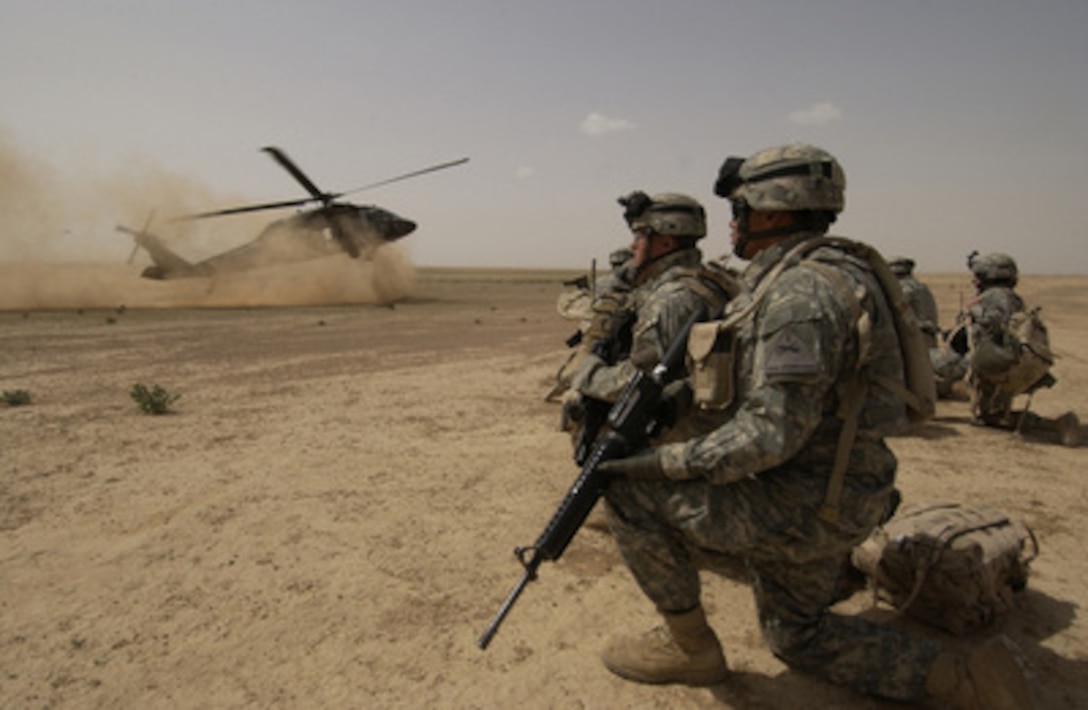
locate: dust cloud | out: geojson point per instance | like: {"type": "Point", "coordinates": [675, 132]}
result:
{"type": "Point", "coordinates": [60, 249]}
{"type": "Point", "coordinates": [332, 280]}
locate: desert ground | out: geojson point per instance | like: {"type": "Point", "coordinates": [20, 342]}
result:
{"type": "Point", "coordinates": [326, 517]}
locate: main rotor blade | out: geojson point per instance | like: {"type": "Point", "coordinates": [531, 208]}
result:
{"type": "Point", "coordinates": [424, 171]}
{"type": "Point", "coordinates": [289, 165]}
{"type": "Point", "coordinates": [248, 208]}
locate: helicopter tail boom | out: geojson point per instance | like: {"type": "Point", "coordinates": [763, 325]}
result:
{"type": "Point", "coordinates": [167, 264]}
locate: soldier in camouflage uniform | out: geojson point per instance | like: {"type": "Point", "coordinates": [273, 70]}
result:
{"type": "Point", "coordinates": [586, 296]}
{"type": "Point", "coordinates": [993, 354]}
{"type": "Point", "coordinates": [667, 284]}
{"type": "Point", "coordinates": [757, 485]}
{"type": "Point", "coordinates": [949, 366]}
{"type": "Point", "coordinates": [994, 276]}
{"type": "Point", "coordinates": [620, 274]}
{"type": "Point", "coordinates": [918, 296]}
{"type": "Point", "coordinates": [594, 305]}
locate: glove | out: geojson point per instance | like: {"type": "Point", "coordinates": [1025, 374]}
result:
{"type": "Point", "coordinates": [643, 466]}
{"type": "Point", "coordinates": [584, 371]}
{"type": "Point", "coordinates": [675, 400]}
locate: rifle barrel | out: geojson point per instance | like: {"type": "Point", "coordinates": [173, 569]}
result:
{"type": "Point", "coordinates": [493, 627]}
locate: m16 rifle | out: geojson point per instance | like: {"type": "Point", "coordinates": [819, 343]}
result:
{"type": "Point", "coordinates": [634, 419]}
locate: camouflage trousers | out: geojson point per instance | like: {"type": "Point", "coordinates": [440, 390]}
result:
{"type": "Point", "coordinates": [990, 405]}
{"type": "Point", "coordinates": [795, 560]}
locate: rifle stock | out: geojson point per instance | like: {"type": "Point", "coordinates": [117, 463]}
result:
{"type": "Point", "coordinates": [632, 421]}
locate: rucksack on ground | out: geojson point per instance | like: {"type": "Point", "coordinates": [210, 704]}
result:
{"type": "Point", "coordinates": [955, 567]}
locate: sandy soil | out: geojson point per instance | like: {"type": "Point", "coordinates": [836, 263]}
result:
{"type": "Point", "coordinates": [327, 517]}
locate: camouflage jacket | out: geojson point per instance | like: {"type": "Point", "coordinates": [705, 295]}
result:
{"type": "Point", "coordinates": [796, 353]}
{"type": "Point", "coordinates": [663, 300]}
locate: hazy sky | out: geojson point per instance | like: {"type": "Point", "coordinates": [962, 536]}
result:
{"type": "Point", "coordinates": [961, 124]}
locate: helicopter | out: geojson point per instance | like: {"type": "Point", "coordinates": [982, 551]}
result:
{"type": "Point", "coordinates": [329, 228]}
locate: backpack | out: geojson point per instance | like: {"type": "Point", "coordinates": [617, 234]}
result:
{"type": "Point", "coordinates": [951, 566]}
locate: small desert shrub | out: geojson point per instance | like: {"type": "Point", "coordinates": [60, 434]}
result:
{"type": "Point", "coordinates": [14, 398]}
{"type": "Point", "coordinates": [155, 400]}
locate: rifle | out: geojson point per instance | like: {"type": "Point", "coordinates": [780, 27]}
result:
{"type": "Point", "coordinates": [633, 420]}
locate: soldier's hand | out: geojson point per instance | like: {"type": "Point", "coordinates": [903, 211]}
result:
{"type": "Point", "coordinates": [643, 466]}
{"type": "Point", "coordinates": [675, 400]}
{"type": "Point", "coordinates": [590, 364]}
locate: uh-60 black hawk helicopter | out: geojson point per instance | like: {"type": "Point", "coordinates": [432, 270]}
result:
{"type": "Point", "coordinates": [330, 228]}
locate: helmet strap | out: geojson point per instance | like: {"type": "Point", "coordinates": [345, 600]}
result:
{"type": "Point", "coordinates": [747, 237]}
{"type": "Point", "coordinates": [655, 248]}
{"type": "Point", "coordinates": [653, 255]}
{"type": "Point", "coordinates": [812, 220]}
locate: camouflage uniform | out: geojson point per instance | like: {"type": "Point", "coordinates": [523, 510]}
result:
{"type": "Point", "coordinates": [918, 296]}
{"type": "Point", "coordinates": [753, 485]}
{"type": "Point", "coordinates": [987, 317]}
{"type": "Point", "coordinates": [663, 301]}
{"type": "Point", "coordinates": [666, 290]}
{"type": "Point", "coordinates": [948, 365]}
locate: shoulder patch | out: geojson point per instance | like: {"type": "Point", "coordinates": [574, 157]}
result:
{"type": "Point", "coordinates": [789, 353]}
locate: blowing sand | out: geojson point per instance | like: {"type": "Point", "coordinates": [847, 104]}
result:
{"type": "Point", "coordinates": [327, 518]}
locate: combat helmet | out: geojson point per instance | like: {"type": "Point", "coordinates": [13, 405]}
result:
{"type": "Point", "coordinates": [792, 178]}
{"type": "Point", "coordinates": [901, 265]}
{"type": "Point", "coordinates": [669, 213]}
{"type": "Point", "coordinates": [619, 257]}
{"type": "Point", "coordinates": [994, 268]}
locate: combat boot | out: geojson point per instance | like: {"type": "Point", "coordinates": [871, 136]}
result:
{"type": "Point", "coordinates": [683, 650]}
{"type": "Point", "coordinates": [1068, 428]}
{"type": "Point", "coordinates": [987, 678]}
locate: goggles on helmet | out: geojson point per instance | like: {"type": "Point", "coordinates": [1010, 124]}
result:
{"type": "Point", "coordinates": [637, 204]}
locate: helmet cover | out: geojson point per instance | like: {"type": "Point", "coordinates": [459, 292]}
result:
{"type": "Point", "coordinates": [669, 213]}
{"type": "Point", "coordinates": [995, 267]}
{"type": "Point", "coordinates": [792, 178]}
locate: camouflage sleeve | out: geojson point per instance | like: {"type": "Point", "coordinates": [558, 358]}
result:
{"type": "Point", "coordinates": [661, 316]}
{"type": "Point", "coordinates": [797, 343]}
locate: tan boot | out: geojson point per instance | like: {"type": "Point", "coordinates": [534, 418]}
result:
{"type": "Point", "coordinates": [684, 650]}
{"type": "Point", "coordinates": [988, 678]}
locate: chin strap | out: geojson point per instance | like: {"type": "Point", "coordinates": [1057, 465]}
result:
{"type": "Point", "coordinates": [803, 221]}
{"type": "Point", "coordinates": [745, 238]}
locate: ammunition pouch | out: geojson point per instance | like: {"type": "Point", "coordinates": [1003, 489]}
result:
{"type": "Point", "coordinates": [712, 360]}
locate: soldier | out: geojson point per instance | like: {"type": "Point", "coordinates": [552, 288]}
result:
{"type": "Point", "coordinates": [1009, 351]}
{"type": "Point", "coordinates": [918, 296]}
{"type": "Point", "coordinates": [667, 283]}
{"type": "Point", "coordinates": [593, 302]}
{"type": "Point", "coordinates": [949, 366]}
{"type": "Point", "coordinates": [763, 483]}
{"type": "Point", "coordinates": [620, 275]}
{"type": "Point", "coordinates": [588, 295]}
{"type": "Point", "coordinates": [987, 320]}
